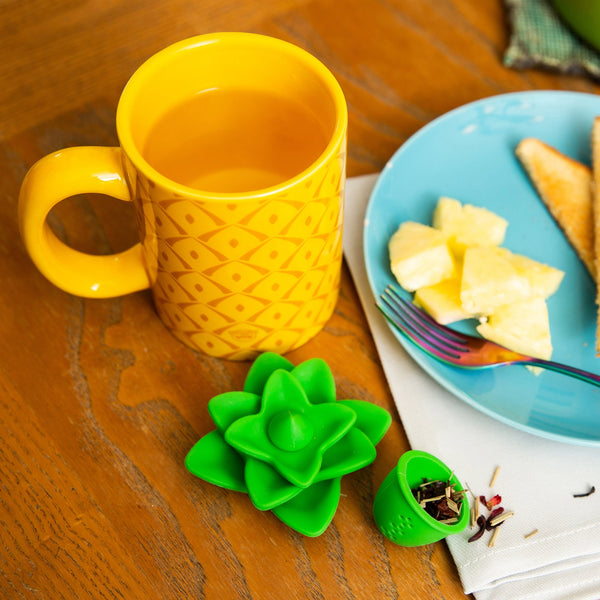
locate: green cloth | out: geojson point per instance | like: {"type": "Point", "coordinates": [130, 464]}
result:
{"type": "Point", "coordinates": [540, 38]}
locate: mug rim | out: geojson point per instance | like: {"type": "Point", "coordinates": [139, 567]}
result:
{"type": "Point", "coordinates": [147, 69]}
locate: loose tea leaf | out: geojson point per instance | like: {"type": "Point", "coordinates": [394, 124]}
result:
{"type": "Point", "coordinates": [530, 534]}
{"type": "Point", "coordinates": [499, 519]}
{"type": "Point", "coordinates": [492, 541]}
{"type": "Point", "coordinates": [481, 521]}
{"type": "Point", "coordinates": [474, 512]}
{"type": "Point", "coordinates": [494, 477]}
{"type": "Point", "coordinates": [495, 513]}
{"type": "Point", "coordinates": [493, 501]}
{"type": "Point", "coordinates": [496, 516]}
{"type": "Point", "coordinates": [440, 500]}
{"type": "Point", "coordinates": [591, 491]}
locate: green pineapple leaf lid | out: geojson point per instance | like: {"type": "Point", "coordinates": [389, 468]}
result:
{"type": "Point", "coordinates": [287, 442]}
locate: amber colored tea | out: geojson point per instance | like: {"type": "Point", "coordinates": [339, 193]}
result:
{"type": "Point", "coordinates": [232, 140]}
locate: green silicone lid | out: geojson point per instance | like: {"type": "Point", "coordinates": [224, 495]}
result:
{"type": "Point", "coordinates": [287, 441]}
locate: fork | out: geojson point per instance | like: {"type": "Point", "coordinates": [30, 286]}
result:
{"type": "Point", "coordinates": [459, 349]}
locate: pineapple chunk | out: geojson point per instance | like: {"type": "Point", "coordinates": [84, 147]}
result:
{"type": "Point", "coordinates": [442, 301]}
{"type": "Point", "coordinates": [419, 256]}
{"type": "Point", "coordinates": [489, 280]}
{"type": "Point", "coordinates": [458, 270]}
{"type": "Point", "coordinates": [467, 225]}
{"type": "Point", "coordinates": [521, 326]}
{"type": "Point", "coordinates": [543, 279]}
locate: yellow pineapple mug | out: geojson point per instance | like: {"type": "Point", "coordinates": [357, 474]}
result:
{"type": "Point", "coordinates": [232, 149]}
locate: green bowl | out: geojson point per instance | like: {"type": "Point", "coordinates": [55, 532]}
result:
{"type": "Point", "coordinates": [583, 17]}
{"type": "Point", "coordinates": [397, 513]}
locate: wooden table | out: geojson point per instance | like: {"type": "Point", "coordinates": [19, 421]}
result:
{"type": "Point", "coordinates": [99, 404]}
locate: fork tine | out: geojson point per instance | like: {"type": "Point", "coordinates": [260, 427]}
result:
{"type": "Point", "coordinates": [465, 350]}
{"type": "Point", "coordinates": [442, 338]}
{"type": "Point", "coordinates": [400, 324]}
{"type": "Point", "coordinates": [430, 325]}
{"type": "Point", "coordinates": [418, 332]}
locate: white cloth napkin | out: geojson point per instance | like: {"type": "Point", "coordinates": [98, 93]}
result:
{"type": "Point", "coordinates": [537, 476]}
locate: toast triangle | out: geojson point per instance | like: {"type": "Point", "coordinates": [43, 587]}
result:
{"type": "Point", "coordinates": [596, 210]}
{"type": "Point", "coordinates": [565, 187]}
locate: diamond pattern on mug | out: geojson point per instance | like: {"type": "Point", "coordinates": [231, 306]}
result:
{"type": "Point", "coordinates": [274, 217]}
{"type": "Point", "coordinates": [196, 256]}
{"type": "Point", "coordinates": [236, 276]}
{"type": "Point", "coordinates": [280, 313]}
{"type": "Point", "coordinates": [306, 221]}
{"type": "Point", "coordinates": [274, 286]}
{"type": "Point", "coordinates": [194, 284]}
{"type": "Point", "coordinates": [205, 316]}
{"type": "Point", "coordinates": [239, 307]}
{"type": "Point", "coordinates": [187, 218]}
{"type": "Point", "coordinates": [308, 285]}
{"type": "Point", "coordinates": [281, 340]}
{"type": "Point", "coordinates": [232, 241]}
{"type": "Point", "coordinates": [308, 254]}
{"type": "Point", "coordinates": [256, 274]}
{"type": "Point", "coordinates": [275, 253]}
{"type": "Point", "coordinates": [206, 341]}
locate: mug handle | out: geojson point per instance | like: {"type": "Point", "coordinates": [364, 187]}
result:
{"type": "Point", "coordinates": [78, 170]}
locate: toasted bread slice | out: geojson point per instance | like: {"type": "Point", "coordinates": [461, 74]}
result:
{"type": "Point", "coordinates": [596, 210]}
{"type": "Point", "coordinates": [565, 187]}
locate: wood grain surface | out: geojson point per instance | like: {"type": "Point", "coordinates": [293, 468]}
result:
{"type": "Point", "coordinates": [99, 404]}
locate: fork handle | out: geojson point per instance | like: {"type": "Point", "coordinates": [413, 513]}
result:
{"type": "Point", "coordinates": [564, 369]}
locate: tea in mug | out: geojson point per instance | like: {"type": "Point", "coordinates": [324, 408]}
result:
{"type": "Point", "coordinates": [235, 140]}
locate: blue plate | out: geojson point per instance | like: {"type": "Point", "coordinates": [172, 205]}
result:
{"type": "Point", "coordinates": [468, 154]}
